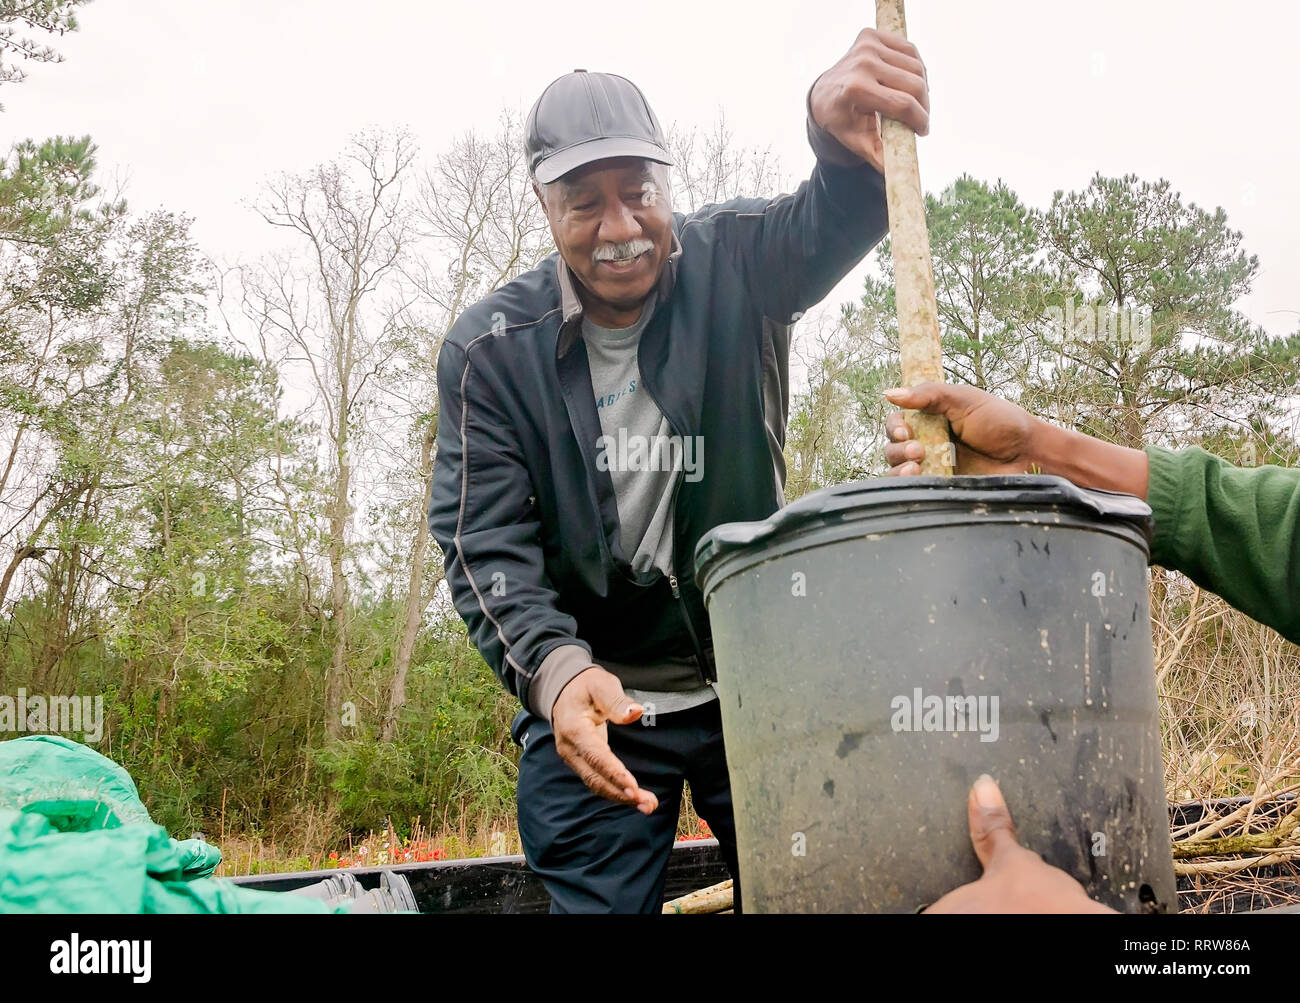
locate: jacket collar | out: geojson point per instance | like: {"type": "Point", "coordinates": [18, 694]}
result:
{"type": "Point", "coordinates": [571, 305]}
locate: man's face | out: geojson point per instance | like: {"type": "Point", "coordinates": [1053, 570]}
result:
{"type": "Point", "coordinates": [612, 224]}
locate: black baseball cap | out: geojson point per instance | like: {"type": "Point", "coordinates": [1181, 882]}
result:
{"type": "Point", "coordinates": [583, 117]}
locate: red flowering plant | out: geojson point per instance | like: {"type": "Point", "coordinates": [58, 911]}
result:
{"type": "Point", "coordinates": [419, 848]}
{"type": "Point", "coordinates": [702, 832]}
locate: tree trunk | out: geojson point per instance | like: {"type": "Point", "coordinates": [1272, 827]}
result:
{"type": "Point", "coordinates": [335, 678]}
{"type": "Point", "coordinates": [415, 593]}
{"type": "Point", "coordinates": [24, 551]}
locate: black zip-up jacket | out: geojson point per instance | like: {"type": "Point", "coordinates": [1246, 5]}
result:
{"type": "Point", "coordinates": [527, 522]}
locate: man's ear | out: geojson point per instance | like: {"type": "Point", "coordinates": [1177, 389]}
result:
{"type": "Point", "coordinates": [541, 197]}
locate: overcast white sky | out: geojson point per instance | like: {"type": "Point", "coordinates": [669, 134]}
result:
{"type": "Point", "coordinates": [197, 102]}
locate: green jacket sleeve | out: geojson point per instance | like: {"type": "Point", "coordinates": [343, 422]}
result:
{"type": "Point", "coordinates": [1232, 530]}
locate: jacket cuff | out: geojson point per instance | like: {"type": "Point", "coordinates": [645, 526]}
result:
{"type": "Point", "coordinates": [557, 668]}
{"type": "Point", "coordinates": [1166, 486]}
{"type": "Point", "coordinates": [827, 148]}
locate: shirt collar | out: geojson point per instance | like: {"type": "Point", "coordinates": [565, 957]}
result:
{"type": "Point", "coordinates": [571, 305]}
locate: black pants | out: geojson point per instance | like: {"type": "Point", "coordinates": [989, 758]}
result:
{"type": "Point", "coordinates": [595, 855]}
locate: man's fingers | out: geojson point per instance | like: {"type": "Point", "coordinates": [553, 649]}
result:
{"type": "Point", "coordinates": [590, 758]}
{"type": "Point", "coordinates": [898, 43]}
{"type": "Point", "coordinates": [903, 453]}
{"type": "Point", "coordinates": [901, 82]}
{"type": "Point", "coordinates": [596, 753]}
{"type": "Point", "coordinates": [891, 102]}
{"type": "Point", "coordinates": [598, 779]}
{"type": "Point", "coordinates": [646, 802]}
{"type": "Point", "coordinates": [599, 785]}
{"type": "Point", "coordinates": [894, 49]}
{"type": "Point", "coordinates": [898, 51]}
{"type": "Point", "coordinates": [896, 427]}
{"type": "Point", "coordinates": [991, 828]}
{"type": "Point", "coordinates": [898, 453]}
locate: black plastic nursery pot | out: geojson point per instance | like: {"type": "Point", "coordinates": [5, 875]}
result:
{"type": "Point", "coordinates": [880, 644]}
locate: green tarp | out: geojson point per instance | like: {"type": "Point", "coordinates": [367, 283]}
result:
{"type": "Point", "coordinates": [75, 837]}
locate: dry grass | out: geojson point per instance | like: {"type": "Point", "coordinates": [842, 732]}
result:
{"type": "Point", "coordinates": [464, 838]}
{"type": "Point", "coordinates": [257, 855]}
{"type": "Point", "coordinates": [1242, 892]}
{"type": "Point", "coordinates": [1230, 719]}
{"type": "Point", "coordinates": [1230, 698]}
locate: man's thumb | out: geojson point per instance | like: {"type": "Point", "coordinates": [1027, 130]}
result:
{"type": "Point", "coordinates": [932, 398]}
{"type": "Point", "coordinates": [991, 828]}
{"type": "Point", "coordinates": [608, 696]}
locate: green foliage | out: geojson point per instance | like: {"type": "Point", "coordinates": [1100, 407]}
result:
{"type": "Point", "coordinates": [169, 525]}
{"type": "Point", "coordinates": [373, 779]}
{"type": "Point", "coordinates": [1128, 245]}
{"type": "Point", "coordinates": [453, 756]}
{"type": "Point", "coordinates": [53, 17]}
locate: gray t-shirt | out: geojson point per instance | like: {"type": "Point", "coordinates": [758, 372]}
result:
{"type": "Point", "coordinates": [634, 448]}
{"type": "Point", "coordinates": [633, 429]}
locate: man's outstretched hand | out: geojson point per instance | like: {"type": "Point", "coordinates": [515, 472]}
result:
{"type": "Point", "coordinates": [882, 74]}
{"type": "Point", "coordinates": [580, 719]}
{"type": "Point", "coordinates": [1015, 879]}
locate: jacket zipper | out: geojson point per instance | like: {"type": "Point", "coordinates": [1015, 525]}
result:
{"type": "Point", "coordinates": [672, 557]}
{"type": "Point", "coordinates": [686, 615]}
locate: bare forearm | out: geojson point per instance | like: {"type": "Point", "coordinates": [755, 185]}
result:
{"type": "Point", "coordinates": [1089, 462]}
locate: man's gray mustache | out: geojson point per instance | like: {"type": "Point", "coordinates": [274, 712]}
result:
{"type": "Point", "coordinates": [625, 251]}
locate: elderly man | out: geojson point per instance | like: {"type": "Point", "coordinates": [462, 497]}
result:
{"type": "Point", "coordinates": [601, 413]}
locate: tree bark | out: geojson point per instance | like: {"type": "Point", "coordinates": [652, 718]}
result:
{"type": "Point", "coordinates": [415, 593]}
{"type": "Point", "coordinates": [1277, 837]}
{"type": "Point", "coordinates": [335, 678]}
